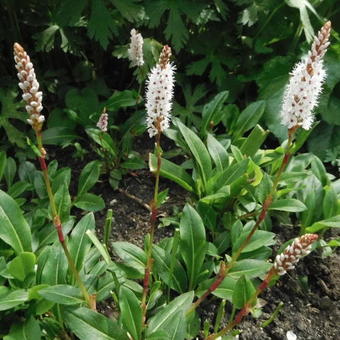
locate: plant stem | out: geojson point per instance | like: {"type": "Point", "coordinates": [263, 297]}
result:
{"type": "Point", "coordinates": [273, 316]}
{"type": "Point", "coordinates": [265, 206]}
{"type": "Point", "coordinates": [57, 223]}
{"type": "Point", "coordinates": [153, 221]}
{"type": "Point", "coordinates": [246, 308]}
{"type": "Point", "coordinates": [135, 198]}
{"type": "Point", "coordinates": [218, 280]}
{"type": "Point", "coordinates": [108, 227]}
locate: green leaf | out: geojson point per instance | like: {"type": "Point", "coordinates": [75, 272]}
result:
{"type": "Point", "coordinates": [62, 176]}
{"type": "Point", "coordinates": [129, 9]}
{"type": "Point", "coordinates": [14, 230]}
{"type": "Point", "coordinates": [79, 243]}
{"type": "Point", "coordinates": [28, 330]}
{"type": "Point", "coordinates": [254, 141]}
{"type": "Point", "coordinates": [89, 202]}
{"type": "Point", "coordinates": [167, 319]}
{"type": "Point", "coordinates": [103, 252]}
{"type": "Point", "coordinates": [45, 40]}
{"type": "Point", "coordinates": [248, 118]}
{"type": "Point", "coordinates": [311, 191]}
{"type": "Point", "coordinates": [260, 238]}
{"type": "Point", "coordinates": [322, 138]}
{"type": "Point", "coordinates": [227, 176]}
{"type": "Point", "coordinates": [193, 244]}
{"type": "Point", "coordinates": [88, 177]}
{"type": "Point", "coordinates": [18, 188]}
{"type": "Point", "coordinates": [58, 136]}
{"type": "Point", "coordinates": [131, 312]}
{"type": "Point", "coordinates": [333, 222]}
{"type": "Point", "coordinates": [198, 149]}
{"type": "Point", "coordinates": [173, 172]}
{"type": "Point", "coordinates": [330, 202]}
{"type": "Point", "coordinates": [104, 140]}
{"type": "Point", "coordinates": [176, 30]}
{"type": "Point", "coordinates": [22, 265]}
{"type": "Point", "coordinates": [169, 269]}
{"type": "Point", "coordinates": [62, 294]}
{"type": "Point", "coordinates": [101, 24]}
{"type": "Point", "coordinates": [63, 202]}
{"type": "Point", "coordinates": [131, 255]}
{"type": "Point", "coordinates": [224, 290]}
{"type": "Point", "coordinates": [69, 12]}
{"type": "Point", "coordinates": [319, 170]}
{"type": "Point", "coordinates": [10, 171]}
{"type": "Point", "coordinates": [210, 110]}
{"type": "Point", "coordinates": [89, 325]}
{"type": "Point", "coordinates": [12, 299]}
{"type": "Point", "coordinates": [217, 152]}
{"type": "Point", "coordinates": [133, 163]}
{"type": "Point", "coordinates": [251, 268]}
{"type": "Point", "coordinates": [288, 204]}
{"type": "Point", "coordinates": [334, 243]}
{"type": "Point", "coordinates": [52, 265]}
{"type": "Point", "coordinates": [121, 99]}
{"type": "Point", "coordinates": [244, 289]}
{"type": "Point", "coordinates": [303, 6]}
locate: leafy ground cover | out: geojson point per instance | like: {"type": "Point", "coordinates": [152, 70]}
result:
{"type": "Point", "coordinates": [199, 230]}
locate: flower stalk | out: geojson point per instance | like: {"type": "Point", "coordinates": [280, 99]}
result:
{"type": "Point", "coordinates": [283, 262]}
{"type": "Point", "coordinates": [33, 98]}
{"type": "Point", "coordinates": [158, 105]}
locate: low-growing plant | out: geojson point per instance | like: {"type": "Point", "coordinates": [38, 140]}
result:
{"type": "Point", "coordinates": [54, 273]}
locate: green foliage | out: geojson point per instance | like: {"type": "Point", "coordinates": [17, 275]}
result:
{"type": "Point", "coordinates": [219, 153]}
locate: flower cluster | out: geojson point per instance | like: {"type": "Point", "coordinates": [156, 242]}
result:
{"type": "Point", "coordinates": [29, 86]}
{"type": "Point", "coordinates": [103, 121]}
{"type": "Point", "coordinates": [136, 49]}
{"type": "Point", "coordinates": [305, 84]}
{"type": "Point", "coordinates": [293, 253]}
{"type": "Point", "coordinates": [159, 93]}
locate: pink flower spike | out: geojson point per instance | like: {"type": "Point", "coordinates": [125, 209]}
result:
{"type": "Point", "coordinates": [103, 121]}
{"type": "Point", "coordinates": [300, 247]}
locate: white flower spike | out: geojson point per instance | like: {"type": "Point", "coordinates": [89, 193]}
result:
{"type": "Point", "coordinates": [305, 84]}
{"type": "Point", "coordinates": [30, 87]}
{"type": "Point", "coordinates": [136, 49]}
{"type": "Point", "coordinates": [159, 94]}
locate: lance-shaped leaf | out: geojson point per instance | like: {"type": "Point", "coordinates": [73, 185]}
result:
{"type": "Point", "coordinates": [131, 312]}
{"type": "Point", "coordinates": [173, 172]}
{"type": "Point", "coordinates": [171, 318]}
{"type": "Point", "coordinates": [193, 243]}
{"type": "Point", "coordinates": [79, 242]}
{"type": "Point", "coordinates": [198, 150]}
{"type": "Point", "coordinates": [14, 229]}
{"type": "Point", "coordinates": [89, 325]}
{"type": "Point", "coordinates": [63, 294]}
{"type": "Point", "coordinates": [13, 299]}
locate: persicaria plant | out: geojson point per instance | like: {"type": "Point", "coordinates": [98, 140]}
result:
{"type": "Point", "coordinates": [57, 271]}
